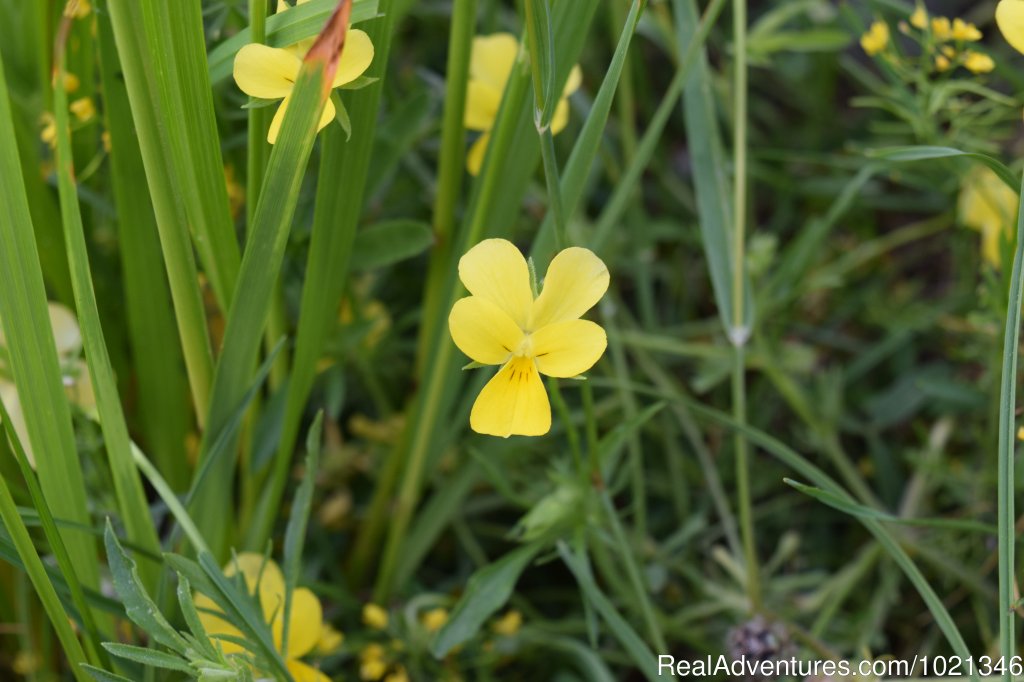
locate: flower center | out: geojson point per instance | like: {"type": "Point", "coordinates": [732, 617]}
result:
{"type": "Point", "coordinates": [525, 348]}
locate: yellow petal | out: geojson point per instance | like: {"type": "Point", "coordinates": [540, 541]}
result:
{"type": "Point", "coordinates": [1010, 19]}
{"type": "Point", "coordinates": [560, 119]}
{"type": "Point", "coordinates": [569, 348]}
{"type": "Point", "coordinates": [573, 83]}
{"type": "Point", "coordinates": [9, 396]}
{"type": "Point", "coordinates": [215, 625]}
{"type": "Point", "coordinates": [66, 335]}
{"type": "Point", "coordinates": [492, 59]}
{"type": "Point", "coordinates": [271, 581]}
{"type": "Point", "coordinates": [482, 103]}
{"type": "Point", "coordinates": [513, 403]}
{"type": "Point", "coordinates": [355, 57]}
{"type": "Point", "coordinates": [266, 72]}
{"type": "Point", "coordinates": [305, 673]}
{"type": "Point", "coordinates": [475, 157]}
{"type": "Point", "coordinates": [576, 281]}
{"type": "Point", "coordinates": [275, 125]}
{"type": "Point", "coordinates": [483, 331]}
{"type": "Point", "coordinates": [304, 626]}
{"type": "Point", "coordinates": [495, 270]}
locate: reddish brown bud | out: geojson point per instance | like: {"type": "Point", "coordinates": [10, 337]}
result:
{"type": "Point", "coordinates": [331, 41]}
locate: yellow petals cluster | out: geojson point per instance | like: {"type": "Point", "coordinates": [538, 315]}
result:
{"type": "Point", "coordinates": [987, 205]}
{"type": "Point", "coordinates": [490, 65]}
{"type": "Point", "coordinates": [503, 323]}
{"type": "Point", "coordinates": [269, 73]}
{"type": "Point", "coordinates": [307, 632]}
{"type": "Point", "coordinates": [876, 39]}
{"type": "Point", "coordinates": [67, 338]}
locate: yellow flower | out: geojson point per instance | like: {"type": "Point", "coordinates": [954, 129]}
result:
{"type": "Point", "coordinates": [399, 675]}
{"type": "Point", "coordinates": [105, 139]}
{"type": "Point", "coordinates": [978, 62]}
{"type": "Point", "coordinates": [1020, 433]}
{"type": "Point", "coordinates": [305, 624]}
{"type": "Point", "coordinates": [330, 640]}
{"type": "Point", "coordinates": [83, 109]}
{"type": "Point", "coordinates": [509, 624]}
{"type": "Point", "coordinates": [986, 204]}
{"type": "Point", "coordinates": [919, 17]}
{"type": "Point", "coordinates": [941, 28]}
{"type": "Point", "coordinates": [876, 39]}
{"type": "Point", "coordinates": [67, 338]}
{"type": "Point", "coordinates": [942, 62]}
{"type": "Point", "coordinates": [490, 65]}
{"type": "Point", "coordinates": [49, 132]}
{"type": "Point", "coordinates": [434, 619]}
{"type": "Point", "coordinates": [965, 31]}
{"type": "Point", "coordinates": [270, 72]}
{"type": "Point", "coordinates": [375, 617]}
{"type": "Point", "coordinates": [502, 324]}
{"type": "Point", "coordinates": [71, 82]}
{"type": "Point", "coordinates": [1010, 19]}
{"type": "Point", "coordinates": [372, 665]}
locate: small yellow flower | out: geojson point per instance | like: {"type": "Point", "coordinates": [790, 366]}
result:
{"type": "Point", "coordinates": [399, 675]}
{"type": "Point", "coordinates": [270, 72]}
{"type": "Point", "coordinates": [490, 65]}
{"type": "Point", "coordinates": [305, 622]}
{"type": "Point", "coordinates": [509, 624]}
{"type": "Point", "coordinates": [941, 28]}
{"type": "Point", "coordinates": [1010, 19]}
{"type": "Point", "coordinates": [67, 338]}
{"type": "Point", "coordinates": [942, 62]}
{"type": "Point", "coordinates": [105, 139]}
{"type": "Point", "coordinates": [987, 205]}
{"type": "Point", "coordinates": [876, 39]}
{"type": "Point", "coordinates": [919, 17]}
{"type": "Point", "coordinates": [978, 62]}
{"type": "Point", "coordinates": [965, 31]}
{"type": "Point", "coordinates": [375, 617]}
{"type": "Point", "coordinates": [949, 51]}
{"type": "Point", "coordinates": [83, 109]}
{"type": "Point", "coordinates": [434, 619]}
{"type": "Point", "coordinates": [48, 134]}
{"type": "Point", "coordinates": [372, 665]}
{"type": "Point", "coordinates": [501, 323]}
{"type": "Point", "coordinates": [71, 82]}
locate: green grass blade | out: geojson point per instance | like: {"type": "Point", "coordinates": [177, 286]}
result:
{"type": "Point", "coordinates": [927, 153]}
{"type": "Point", "coordinates": [339, 204]}
{"type": "Point", "coordinates": [33, 357]}
{"type": "Point", "coordinates": [261, 265]}
{"type": "Point", "coordinates": [163, 388]}
{"type": "Point", "coordinates": [127, 485]}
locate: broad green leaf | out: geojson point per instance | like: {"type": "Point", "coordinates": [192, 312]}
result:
{"type": "Point", "coordinates": [487, 591]}
{"type": "Point", "coordinates": [390, 242]}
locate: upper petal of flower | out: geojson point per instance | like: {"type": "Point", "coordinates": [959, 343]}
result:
{"type": "Point", "coordinates": [305, 673]}
{"type": "Point", "coordinates": [513, 402]}
{"type": "Point", "coordinates": [304, 625]}
{"type": "Point", "coordinates": [483, 331]}
{"type": "Point", "coordinates": [495, 270]}
{"type": "Point", "coordinates": [1010, 19]}
{"type": "Point", "coordinates": [355, 59]}
{"type": "Point", "coordinates": [569, 348]}
{"type": "Point", "coordinates": [492, 58]}
{"type": "Point", "coordinates": [482, 103]}
{"type": "Point", "coordinates": [475, 157]}
{"type": "Point", "coordinates": [576, 281]}
{"type": "Point", "coordinates": [266, 72]}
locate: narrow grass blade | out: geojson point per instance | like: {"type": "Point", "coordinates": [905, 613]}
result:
{"type": "Point", "coordinates": [262, 261]}
{"type": "Point", "coordinates": [131, 498]}
{"type": "Point", "coordinates": [926, 153]}
{"type": "Point", "coordinates": [33, 357]}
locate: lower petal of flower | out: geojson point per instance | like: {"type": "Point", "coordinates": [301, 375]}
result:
{"type": "Point", "coordinates": [305, 624]}
{"type": "Point", "coordinates": [305, 673]}
{"type": "Point", "coordinates": [513, 403]}
{"type": "Point", "coordinates": [275, 125]}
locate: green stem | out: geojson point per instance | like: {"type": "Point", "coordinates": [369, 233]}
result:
{"type": "Point", "coordinates": [547, 152]}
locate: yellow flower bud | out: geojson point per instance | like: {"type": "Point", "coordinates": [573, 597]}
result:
{"type": "Point", "coordinates": [375, 617]}
{"type": "Point", "coordinates": [977, 62]}
{"type": "Point", "coordinates": [876, 39]}
{"type": "Point", "coordinates": [965, 31]}
{"type": "Point", "coordinates": [919, 18]}
{"type": "Point", "coordinates": [83, 109]}
{"type": "Point", "coordinates": [509, 624]}
{"type": "Point", "coordinates": [942, 62]}
{"type": "Point", "coordinates": [941, 28]}
{"type": "Point", "coordinates": [434, 619]}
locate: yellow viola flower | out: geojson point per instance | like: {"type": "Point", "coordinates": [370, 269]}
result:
{"type": "Point", "coordinates": [978, 62]}
{"type": "Point", "coordinates": [490, 65]}
{"type": "Point", "coordinates": [375, 617]}
{"type": "Point", "coordinates": [434, 619]}
{"type": "Point", "coordinates": [501, 323]}
{"type": "Point", "coordinates": [67, 338]}
{"type": "Point", "coordinates": [919, 17]}
{"type": "Point", "coordinates": [876, 39]}
{"type": "Point", "coordinates": [942, 29]}
{"type": "Point", "coordinates": [269, 72]}
{"type": "Point", "coordinates": [1010, 19]}
{"type": "Point", "coordinates": [987, 205]}
{"type": "Point", "coordinates": [965, 31]}
{"type": "Point", "coordinates": [509, 624]}
{"type": "Point", "coordinates": [305, 623]}
{"type": "Point", "coordinates": [83, 109]}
